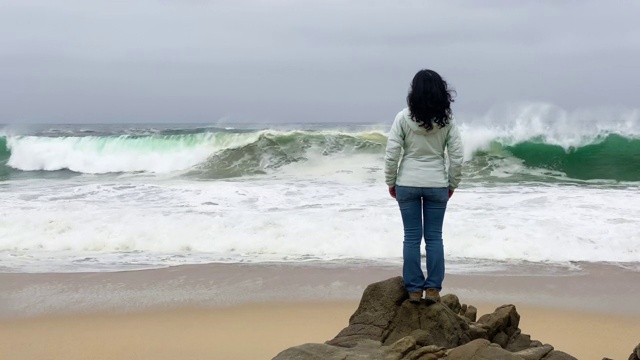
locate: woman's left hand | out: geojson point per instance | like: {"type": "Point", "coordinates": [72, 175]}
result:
{"type": "Point", "coordinates": [392, 191]}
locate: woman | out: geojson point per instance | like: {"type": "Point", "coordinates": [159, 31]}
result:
{"type": "Point", "coordinates": [421, 184]}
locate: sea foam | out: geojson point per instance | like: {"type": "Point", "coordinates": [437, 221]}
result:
{"type": "Point", "coordinates": [131, 223]}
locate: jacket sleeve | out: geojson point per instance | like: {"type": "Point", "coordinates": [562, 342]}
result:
{"type": "Point", "coordinates": [456, 155]}
{"type": "Point", "coordinates": [395, 144]}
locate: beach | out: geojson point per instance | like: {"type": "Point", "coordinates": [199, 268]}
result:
{"type": "Point", "coordinates": [188, 241]}
{"type": "Point", "coordinates": [217, 179]}
{"type": "Point", "coordinates": [238, 311]}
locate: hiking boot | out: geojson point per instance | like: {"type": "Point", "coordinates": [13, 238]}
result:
{"type": "Point", "coordinates": [432, 296]}
{"type": "Point", "coordinates": [415, 297]}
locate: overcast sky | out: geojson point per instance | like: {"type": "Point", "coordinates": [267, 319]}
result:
{"type": "Point", "coordinates": [70, 61]}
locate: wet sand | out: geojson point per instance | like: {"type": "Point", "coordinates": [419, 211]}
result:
{"type": "Point", "coordinates": [255, 311]}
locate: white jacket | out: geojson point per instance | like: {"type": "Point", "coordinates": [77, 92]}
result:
{"type": "Point", "coordinates": [421, 154]}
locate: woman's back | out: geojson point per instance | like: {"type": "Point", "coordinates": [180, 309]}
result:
{"type": "Point", "coordinates": [423, 162]}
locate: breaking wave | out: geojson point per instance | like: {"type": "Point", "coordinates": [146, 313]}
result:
{"type": "Point", "coordinates": [546, 146]}
{"type": "Point", "coordinates": [217, 154]}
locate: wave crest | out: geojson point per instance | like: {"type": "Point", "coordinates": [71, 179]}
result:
{"type": "Point", "coordinates": [529, 148]}
{"type": "Point", "coordinates": [213, 154]}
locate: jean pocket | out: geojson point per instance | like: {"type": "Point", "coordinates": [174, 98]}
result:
{"type": "Point", "coordinates": [440, 195]}
{"type": "Point", "coordinates": [404, 193]}
{"type": "Point", "coordinates": [444, 194]}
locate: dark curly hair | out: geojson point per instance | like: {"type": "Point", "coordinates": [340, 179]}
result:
{"type": "Point", "coordinates": [430, 99]}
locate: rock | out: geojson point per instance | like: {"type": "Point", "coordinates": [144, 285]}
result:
{"type": "Point", "coordinates": [636, 353]}
{"type": "Point", "coordinates": [478, 331]}
{"type": "Point", "coordinates": [452, 302]}
{"type": "Point", "coordinates": [501, 339]}
{"type": "Point", "coordinates": [387, 326]}
{"type": "Point", "coordinates": [378, 307]}
{"type": "Point", "coordinates": [480, 349]}
{"type": "Point", "coordinates": [423, 337]}
{"type": "Point", "coordinates": [471, 313]}
{"type": "Point", "coordinates": [404, 345]}
{"type": "Point", "coordinates": [426, 353]}
{"type": "Point", "coordinates": [428, 357]}
{"type": "Point", "coordinates": [519, 341]}
{"type": "Point", "coordinates": [559, 355]}
{"type": "Point", "coordinates": [310, 352]}
{"type": "Point", "coordinates": [366, 349]}
{"type": "Point", "coordinates": [535, 353]}
{"type": "Point", "coordinates": [384, 315]}
{"type": "Point", "coordinates": [505, 319]}
{"type": "Point", "coordinates": [446, 328]}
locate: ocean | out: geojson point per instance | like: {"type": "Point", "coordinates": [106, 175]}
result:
{"type": "Point", "coordinates": [73, 198]}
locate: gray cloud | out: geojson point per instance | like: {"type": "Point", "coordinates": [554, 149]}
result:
{"type": "Point", "coordinates": [200, 61]}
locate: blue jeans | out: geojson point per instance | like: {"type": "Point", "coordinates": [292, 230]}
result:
{"type": "Point", "coordinates": [419, 204]}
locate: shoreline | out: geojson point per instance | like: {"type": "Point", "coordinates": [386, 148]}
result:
{"type": "Point", "coordinates": [238, 311]}
{"type": "Point", "coordinates": [595, 287]}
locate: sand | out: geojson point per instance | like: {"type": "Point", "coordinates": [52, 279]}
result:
{"type": "Point", "coordinates": [254, 312]}
{"type": "Point", "coordinates": [257, 331]}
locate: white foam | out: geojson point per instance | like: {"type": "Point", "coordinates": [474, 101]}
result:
{"type": "Point", "coordinates": [80, 225]}
{"type": "Point", "coordinates": [518, 123]}
{"type": "Point", "coordinates": [101, 155]}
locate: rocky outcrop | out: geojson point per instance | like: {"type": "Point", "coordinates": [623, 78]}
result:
{"type": "Point", "coordinates": [480, 349]}
{"type": "Point", "coordinates": [559, 355]}
{"type": "Point", "coordinates": [378, 307]}
{"type": "Point", "coordinates": [385, 316]}
{"type": "Point", "coordinates": [636, 353]}
{"type": "Point", "coordinates": [387, 326]}
{"type": "Point", "coordinates": [365, 349]}
{"type": "Point", "coordinates": [501, 324]}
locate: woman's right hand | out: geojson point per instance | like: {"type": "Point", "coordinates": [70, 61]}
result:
{"type": "Point", "coordinates": [451, 193]}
